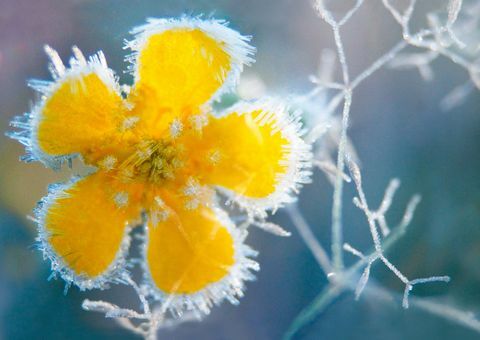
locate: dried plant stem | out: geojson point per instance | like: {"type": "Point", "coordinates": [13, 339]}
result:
{"type": "Point", "coordinates": [148, 322]}
{"type": "Point", "coordinates": [337, 228]}
{"type": "Point", "coordinates": [309, 313]}
{"type": "Point", "coordinates": [310, 240]}
{"type": "Point", "coordinates": [330, 293]}
{"type": "Point", "coordinates": [342, 280]}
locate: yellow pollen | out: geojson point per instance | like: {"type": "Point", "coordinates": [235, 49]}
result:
{"type": "Point", "coordinates": [153, 161]}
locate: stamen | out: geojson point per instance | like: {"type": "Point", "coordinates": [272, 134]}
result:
{"type": "Point", "coordinates": [154, 161]}
{"type": "Point", "coordinates": [126, 174]}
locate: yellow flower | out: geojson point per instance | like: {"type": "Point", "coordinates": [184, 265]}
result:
{"type": "Point", "coordinates": [160, 157]}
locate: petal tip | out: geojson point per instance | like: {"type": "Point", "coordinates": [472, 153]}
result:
{"type": "Point", "coordinates": [115, 272]}
{"type": "Point", "coordinates": [230, 287]}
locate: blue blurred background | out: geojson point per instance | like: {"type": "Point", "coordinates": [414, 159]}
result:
{"type": "Point", "coordinates": [397, 128]}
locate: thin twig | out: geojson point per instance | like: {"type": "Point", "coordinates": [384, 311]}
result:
{"type": "Point", "coordinates": [310, 240]}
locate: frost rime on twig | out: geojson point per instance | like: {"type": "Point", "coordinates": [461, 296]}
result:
{"type": "Point", "coordinates": [376, 220]}
{"type": "Point", "coordinates": [440, 39]}
{"type": "Point", "coordinates": [148, 322]}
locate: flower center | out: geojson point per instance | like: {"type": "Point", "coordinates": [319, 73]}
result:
{"type": "Point", "coordinates": [153, 161]}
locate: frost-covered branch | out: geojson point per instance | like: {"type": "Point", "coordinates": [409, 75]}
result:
{"type": "Point", "coordinates": [438, 40]}
{"type": "Point", "coordinates": [145, 323]}
{"type": "Point", "coordinates": [449, 39]}
{"type": "Point", "coordinates": [376, 219]}
{"type": "Point", "coordinates": [441, 39]}
{"type": "Point", "coordinates": [337, 229]}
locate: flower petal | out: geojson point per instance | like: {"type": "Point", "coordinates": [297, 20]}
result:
{"type": "Point", "coordinates": [84, 229]}
{"type": "Point", "coordinates": [180, 64]}
{"type": "Point", "coordinates": [195, 256]}
{"type": "Point", "coordinates": [77, 113]}
{"type": "Point", "coordinates": [255, 152]}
